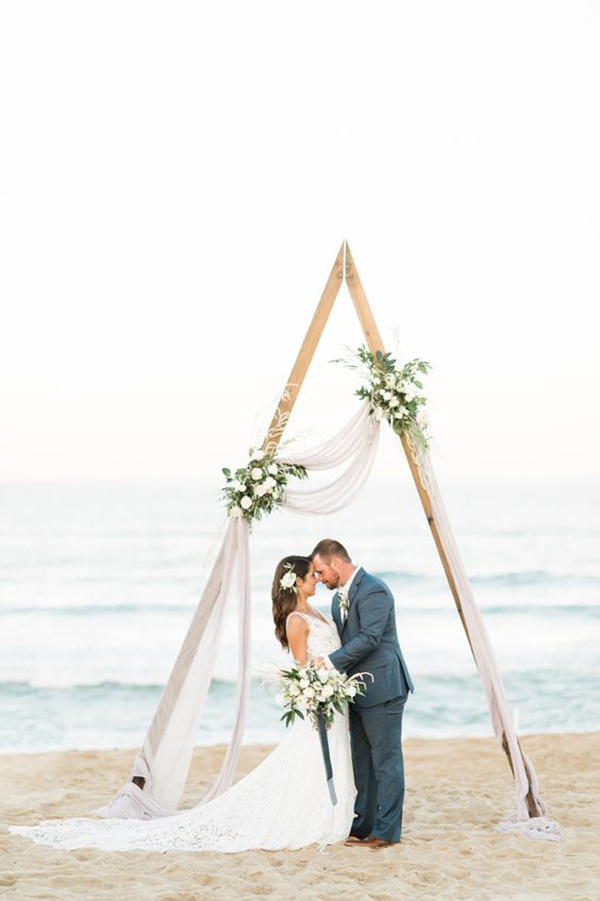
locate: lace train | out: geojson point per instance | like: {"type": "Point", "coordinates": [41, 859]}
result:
{"type": "Point", "coordinates": [283, 803]}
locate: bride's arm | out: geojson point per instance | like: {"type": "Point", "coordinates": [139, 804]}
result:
{"type": "Point", "coordinates": [297, 630]}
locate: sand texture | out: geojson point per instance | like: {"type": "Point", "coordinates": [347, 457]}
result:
{"type": "Point", "coordinates": [457, 790]}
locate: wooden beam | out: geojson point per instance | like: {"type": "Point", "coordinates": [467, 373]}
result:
{"type": "Point", "coordinates": [375, 343]}
{"type": "Point", "coordinates": [306, 353]}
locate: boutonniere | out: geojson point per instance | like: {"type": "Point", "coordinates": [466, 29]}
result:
{"type": "Point", "coordinates": [344, 602]}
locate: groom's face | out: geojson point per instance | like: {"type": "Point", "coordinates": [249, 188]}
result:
{"type": "Point", "coordinates": [326, 573]}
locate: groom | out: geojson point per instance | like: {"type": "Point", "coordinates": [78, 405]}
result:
{"type": "Point", "coordinates": [363, 611]}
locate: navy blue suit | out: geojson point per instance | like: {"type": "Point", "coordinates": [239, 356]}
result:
{"type": "Point", "coordinates": [370, 644]}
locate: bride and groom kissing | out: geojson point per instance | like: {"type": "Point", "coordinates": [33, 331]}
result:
{"type": "Point", "coordinates": [365, 640]}
{"type": "Point", "coordinates": [284, 802]}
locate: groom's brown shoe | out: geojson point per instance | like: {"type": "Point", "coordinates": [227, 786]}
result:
{"type": "Point", "coordinates": [372, 841]}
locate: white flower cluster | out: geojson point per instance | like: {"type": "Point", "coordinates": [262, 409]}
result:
{"type": "Point", "coordinates": [391, 394]}
{"type": "Point", "coordinates": [259, 486]}
{"type": "Point", "coordinates": [395, 395]}
{"type": "Point", "coordinates": [307, 691]}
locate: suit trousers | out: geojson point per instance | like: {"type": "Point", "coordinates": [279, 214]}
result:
{"type": "Point", "coordinates": [376, 738]}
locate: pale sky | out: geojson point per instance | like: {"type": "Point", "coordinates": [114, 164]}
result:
{"type": "Point", "coordinates": [176, 180]}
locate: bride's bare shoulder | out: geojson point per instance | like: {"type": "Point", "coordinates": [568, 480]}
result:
{"type": "Point", "coordinates": [296, 624]}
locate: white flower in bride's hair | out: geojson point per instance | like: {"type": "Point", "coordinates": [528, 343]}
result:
{"type": "Point", "coordinates": [289, 581]}
{"type": "Point", "coordinates": [256, 473]}
{"type": "Point", "coordinates": [246, 502]}
{"type": "Point", "coordinates": [235, 512]}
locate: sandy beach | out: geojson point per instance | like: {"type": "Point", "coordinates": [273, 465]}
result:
{"type": "Point", "coordinates": [457, 790]}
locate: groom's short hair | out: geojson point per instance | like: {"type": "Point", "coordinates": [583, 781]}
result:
{"type": "Point", "coordinates": [328, 548]}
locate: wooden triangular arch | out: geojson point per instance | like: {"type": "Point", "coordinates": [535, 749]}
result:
{"type": "Point", "coordinates": [344, 269]}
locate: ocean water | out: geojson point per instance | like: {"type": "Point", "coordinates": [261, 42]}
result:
{"type": "Point", "coordinates": [98, 582]}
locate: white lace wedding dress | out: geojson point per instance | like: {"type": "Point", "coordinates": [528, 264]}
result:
{"type": "Point", "coordinates": [283, 803]}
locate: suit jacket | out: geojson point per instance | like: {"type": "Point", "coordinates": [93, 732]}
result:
{"type": "Point", "coordinates": [370, 641]}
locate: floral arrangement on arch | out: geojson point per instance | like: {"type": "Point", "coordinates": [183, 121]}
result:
{"type": "Point", "coordinates": [257, 488]}
{"type": "Point", "coordinates": [394, 393]}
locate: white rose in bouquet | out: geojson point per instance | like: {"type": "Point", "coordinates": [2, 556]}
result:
{"type": "Point", "coordinates": [246, 502]}
{"type": "Point", "coordinates": [256, 473]}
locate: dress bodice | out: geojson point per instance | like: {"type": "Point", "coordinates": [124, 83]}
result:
{"type": "Point", "coordinates": [323, 636]}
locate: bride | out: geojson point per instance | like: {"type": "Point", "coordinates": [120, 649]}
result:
{"type": "Point", "coordinates": [284, 802]}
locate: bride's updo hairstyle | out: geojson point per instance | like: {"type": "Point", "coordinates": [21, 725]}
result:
{"type": "Point", "coordinates": [284, 599]}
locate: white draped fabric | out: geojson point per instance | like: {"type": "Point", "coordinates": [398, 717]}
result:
{"type": "Point", "coordinates": [165, 756]}
{"type": "Point", "coordinates": [166, 753]}
{"type": "Point", "coordinates": [524, 773]}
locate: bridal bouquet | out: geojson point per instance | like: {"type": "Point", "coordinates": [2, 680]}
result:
{"type": "Point", "coordinates": [316, 693]}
